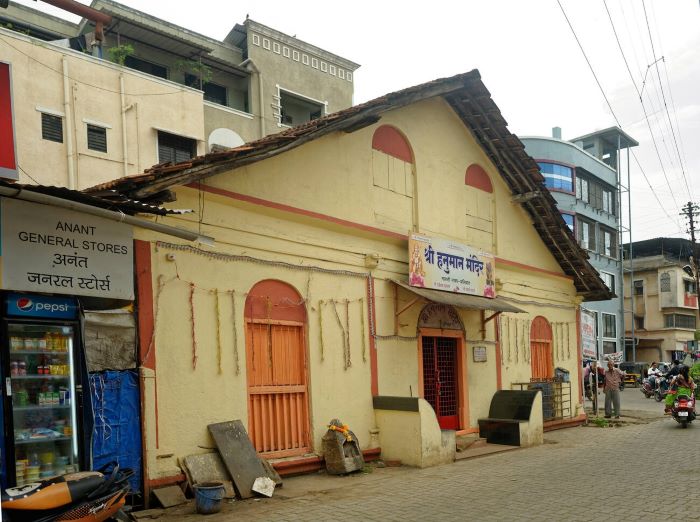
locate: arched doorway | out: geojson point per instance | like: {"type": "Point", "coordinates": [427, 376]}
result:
{"type": "Point", "coordinates": [441, 364]}
{"type": "Point", "coordinates": [542, 360]}
{"type": "Point", "coordinates": [278, 405]}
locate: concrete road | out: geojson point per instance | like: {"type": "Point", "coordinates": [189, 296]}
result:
{"type": "Point", "coordinates": [579, 474]}
{"type": "Point", "coordinates": [632, 400]}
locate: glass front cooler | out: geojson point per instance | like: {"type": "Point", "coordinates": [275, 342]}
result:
{"type": "Point", "coordinates": [42, 381]}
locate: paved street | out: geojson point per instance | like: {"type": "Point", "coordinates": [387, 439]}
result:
{"type": "Point", "coordinates": [578, 474]}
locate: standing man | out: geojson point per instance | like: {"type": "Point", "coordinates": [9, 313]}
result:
{"type": "Point", "coordinates": [613, 378]}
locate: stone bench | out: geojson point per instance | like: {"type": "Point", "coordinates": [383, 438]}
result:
{"type": "Point", "coordinates": [515, 419]}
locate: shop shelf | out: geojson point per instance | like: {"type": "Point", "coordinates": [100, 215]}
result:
{"type": "Point", "coordinates": [24, 377]}
{"type": "Point", "coordinates": [39, 408]}
{"type": "Point", "coordinates": [47, 439]}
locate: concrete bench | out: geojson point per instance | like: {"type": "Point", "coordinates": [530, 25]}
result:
{"type": "Point", "coordinates": [515, 419]}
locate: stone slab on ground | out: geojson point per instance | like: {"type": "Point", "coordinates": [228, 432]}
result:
{"type": "Point", "coordinates": [208, 467]}
{"type": "Point", "coordinates": [170, 496]}
{"type": "Point", "coordinates": [239, 456]}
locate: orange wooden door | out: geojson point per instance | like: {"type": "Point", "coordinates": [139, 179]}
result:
{"type": "Point", "coordinates": [541, 359]}
{"type": "Point", "coordinates": [277, 387]}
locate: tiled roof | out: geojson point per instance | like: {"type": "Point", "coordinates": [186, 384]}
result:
{"type": "Point", "coordinates": [118, 204]}
{"type": "Point", "coordinates": [471, 101]}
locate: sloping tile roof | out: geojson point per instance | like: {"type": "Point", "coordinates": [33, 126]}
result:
{"type": "Point", "coordinates": [117, 204]}
{"type": "Point", "coordinates": [468, 97]}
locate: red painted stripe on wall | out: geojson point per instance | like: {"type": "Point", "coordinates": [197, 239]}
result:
{"type": "Point", "coordinates": [296, 210]}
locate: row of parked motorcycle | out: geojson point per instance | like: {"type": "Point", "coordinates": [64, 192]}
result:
{"type": "Point", "coordinates": [683, 406]}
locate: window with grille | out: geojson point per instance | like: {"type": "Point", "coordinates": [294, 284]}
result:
{"type": "Point", "coordinates": [609, 347]}
{"type": "Point", "coordinates": [96, 138]}
{"type": "Point", "coordinates": [608, 202]}
{"type": "Point", "coordinates": [609, 242]}
{"type": "Point", "coordinates": [680, 321]}
{"type": "Point", "coordinates": [609, 325]}
{"type": "Point", "coordinates": [689, 286]}
{"type": "Point", "coordinates": [582, 188]}
{"type": "Point", "coordinates": [586, 234]}
{"type": "Point", "coordinates": [147, 67]}
{"type": "Point", "coordinates": [174, 149]}
{"type": "Point", "coordinates": [51, 127]}
{"type": "Point", "coordinates": [212, 92]}
{"type": "Point", "coordinates": [639, 287]}
{"type": "Point", "coordinates": [665, 282]}
{"type": "Point", "coordinates": [609, 280]}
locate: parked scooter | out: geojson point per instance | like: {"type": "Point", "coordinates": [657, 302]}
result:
{"type": "Point", "coordinates": [89, 496]}
{"type": "Point", "coordinates": [683, 409]}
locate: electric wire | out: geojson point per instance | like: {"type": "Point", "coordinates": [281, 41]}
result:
{"type": "Point", "coordinates": [641, 101]}
{"type": "Point", "coordinates": [27, 174]}
{"type": "Point", "coordinates": [663, 96]}
{"type": "Point", "coordinates": [595, 76]}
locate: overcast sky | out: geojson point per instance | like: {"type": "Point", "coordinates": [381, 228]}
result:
{"type": "Point", "coordinates": [530, 61]}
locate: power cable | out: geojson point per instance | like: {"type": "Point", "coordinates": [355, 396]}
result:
{"type": "Point", "coordinates": [613, 112]}
{"type": "Point", "coordinates": [663, 96]}
{"type": "Point", "coordinates": [641, 101]}
{"type": "Point", "coordinates": [27, 174]}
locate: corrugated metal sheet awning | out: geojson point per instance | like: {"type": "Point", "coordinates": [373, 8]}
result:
{"type": "Point", "coordinates": [468, 302]}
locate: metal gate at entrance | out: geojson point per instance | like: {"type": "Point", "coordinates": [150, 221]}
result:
{"type": "Point", "coordinates": [440, 387]}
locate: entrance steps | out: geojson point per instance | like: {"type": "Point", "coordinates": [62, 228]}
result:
{"type": "Point", "coordinates": [471, 446]}
{"type": "Point", "coordinates": [470, 440]}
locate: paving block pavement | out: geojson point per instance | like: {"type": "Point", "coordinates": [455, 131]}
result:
{"type": "Point", "coordinates": [576, 475]}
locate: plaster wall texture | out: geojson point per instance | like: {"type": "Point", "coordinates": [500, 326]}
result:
{"type": "Point", "coordinates": [334, 176]}
{"type": "Point", "coordinates": [37, 85]}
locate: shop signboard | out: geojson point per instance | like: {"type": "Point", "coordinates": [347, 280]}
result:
{"type": "Point", "coordinates": [615, 357]}
{"type": "Point", "coordinates": [57, 251]}
{"type": "Point", "coordinates": [588, 338]}
{"type": "Point", "coordinates": [443, 264]}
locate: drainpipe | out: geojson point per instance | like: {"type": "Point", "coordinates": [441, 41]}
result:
{"type": "Point", "coordinates": [125, 147]}
{"type": "Point", "coordinates": [138, 141]}
{"type": "Point", "coordinates": [248, 64]}
{"type": "Point", "coordinates": [69, 126]}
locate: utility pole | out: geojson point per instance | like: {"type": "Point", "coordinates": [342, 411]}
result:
{"type": "Point", "coordinates": [692, 212]}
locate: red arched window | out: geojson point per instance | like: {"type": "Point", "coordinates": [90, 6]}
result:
{"type": "Point", "coordinates": [542, 358]}
{"type": "Point", "coordinates": [275, 300]}
{"type": "Point", "coordinates": [389, 140]}
{"type": "Point", "coordinates": [477, 177]}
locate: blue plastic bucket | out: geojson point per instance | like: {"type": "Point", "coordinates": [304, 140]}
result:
{"type": "Point", "coordinates": [207, 497]}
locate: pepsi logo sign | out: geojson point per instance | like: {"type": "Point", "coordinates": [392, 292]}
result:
{"type": "Point", "coordinates": [25, 304]}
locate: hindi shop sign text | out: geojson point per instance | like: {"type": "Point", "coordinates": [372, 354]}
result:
{"type": "Point", "coordinates": [52, 250]}
{"type": "Point", "coordinates": [442, 264]}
